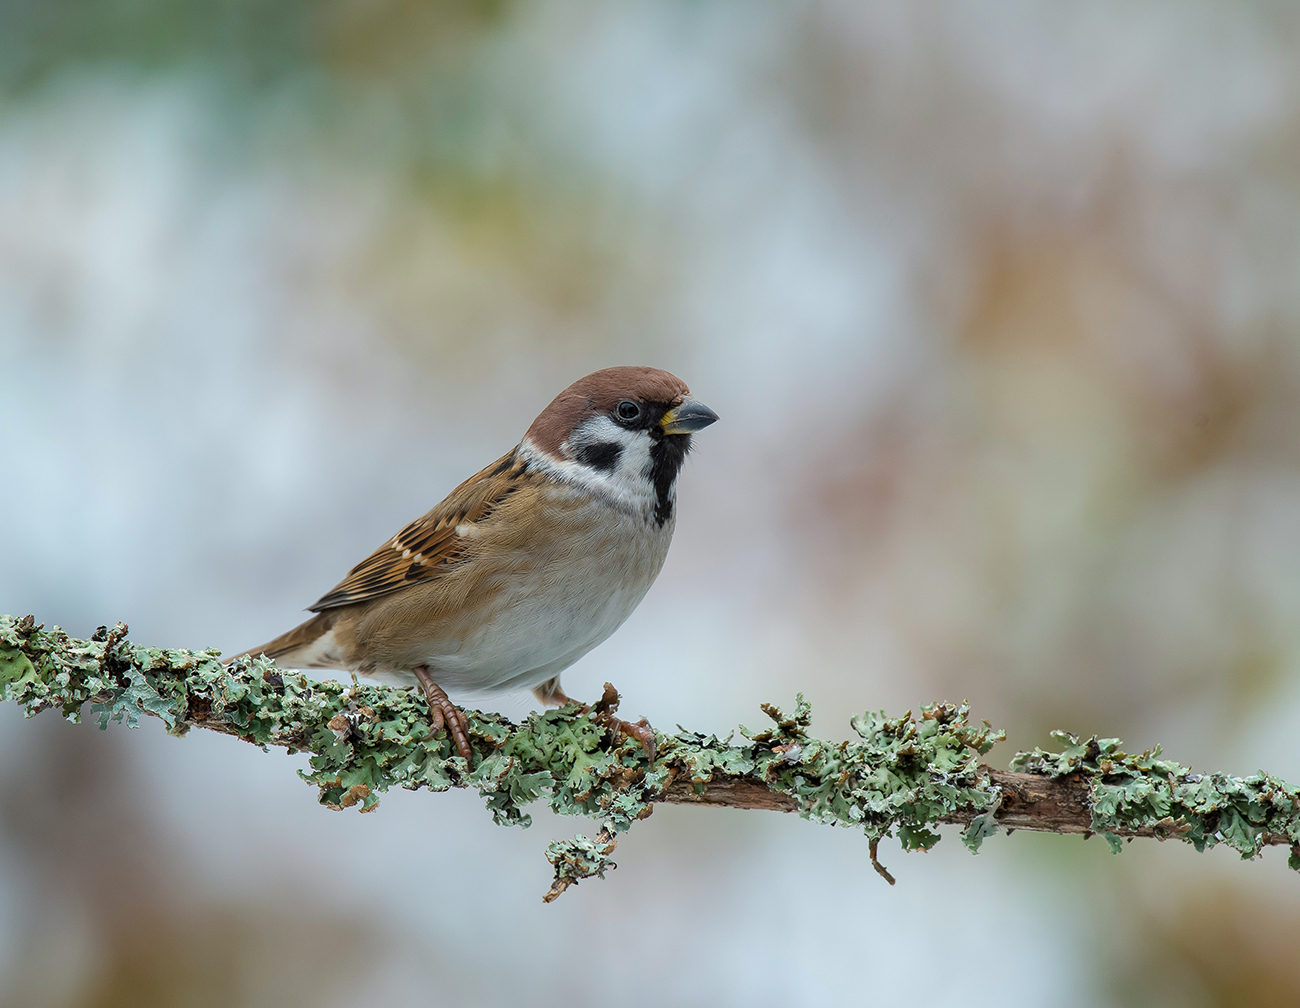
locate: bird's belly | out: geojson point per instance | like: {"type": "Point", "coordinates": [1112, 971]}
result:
{"type": "Point", "coordinates": [549, 615]}
{"type": "Point", "coordinates": [527, 643]}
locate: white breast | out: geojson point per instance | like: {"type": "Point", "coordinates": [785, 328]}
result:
{"type": "Point", "coordinates": [563, 603]}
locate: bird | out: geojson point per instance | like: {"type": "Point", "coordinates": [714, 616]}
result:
{"type": "Point", "coordinates": [527, 565]}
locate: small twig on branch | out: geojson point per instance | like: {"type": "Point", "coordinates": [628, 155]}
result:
{"type": "Point", "coordinates": [578, 859]}
{"type": "Point", "coordinates": [900, 777]}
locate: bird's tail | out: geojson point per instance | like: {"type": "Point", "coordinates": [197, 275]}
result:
{"type": "Point", "coordinates": [308, 645]}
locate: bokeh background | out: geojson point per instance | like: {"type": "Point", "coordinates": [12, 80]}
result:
{"type": "Point", "coordinates": [999, 305]}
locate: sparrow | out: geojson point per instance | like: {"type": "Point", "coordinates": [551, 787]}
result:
{"type": "Point", "coordinates": [527, 565]}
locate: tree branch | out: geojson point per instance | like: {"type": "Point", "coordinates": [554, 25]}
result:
{"type": "Point", "coordinates": [900, 777]}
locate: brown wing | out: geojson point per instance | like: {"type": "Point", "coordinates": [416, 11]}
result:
{"type": "Point", "coordinates": [425, 547]}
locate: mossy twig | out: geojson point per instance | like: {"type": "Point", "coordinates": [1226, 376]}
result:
{"type": "Point", "coordinates": [899, 777]}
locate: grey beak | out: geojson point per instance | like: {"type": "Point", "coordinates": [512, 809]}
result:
{"type": "Point", "coordinates": [687, 418]}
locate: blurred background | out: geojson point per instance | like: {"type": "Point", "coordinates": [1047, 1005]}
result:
{"type": "Point", "coordinates": [998, 303]}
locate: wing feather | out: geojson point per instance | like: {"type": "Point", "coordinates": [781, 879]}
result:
{"type": "Point", "coordinates": [426, 547]}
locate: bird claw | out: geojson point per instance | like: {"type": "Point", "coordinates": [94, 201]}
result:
{"type": "Point", "coordinates": [444, 713]}
{"type": "Point", "coordinates": [608, 702]}
{"type": "Point", "coordinates": [642, 732]}
{"type": "Point", "coordinates": [603, 711]}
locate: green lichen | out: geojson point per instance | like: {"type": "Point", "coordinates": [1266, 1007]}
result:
{"type": "Point", "coordinates": [578, 859]}
{"type": "Point", "coordinates": [899, 777]}
{"type": "Point", "coordinates": [1145, 794]}
{"type": "Point", "coordinates": [902, 776]}
{"type": "Point", "coordinates": [363, 739]}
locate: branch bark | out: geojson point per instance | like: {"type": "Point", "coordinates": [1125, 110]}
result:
{"type": "Point", "coordinates": [899, 777]}
{"type": "Point", "coordinates": [1031, 801]}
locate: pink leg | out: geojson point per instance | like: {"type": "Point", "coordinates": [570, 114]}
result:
{"type": "Point", "coordinates": [442, 712]}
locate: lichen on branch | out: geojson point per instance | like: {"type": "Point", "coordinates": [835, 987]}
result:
{"type": "Point", "coordinates": [1145, 795]}
{"type": "Point", "coordinates": [899, 777]}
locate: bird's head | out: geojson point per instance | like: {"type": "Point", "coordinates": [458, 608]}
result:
{"type": "Point", "coordinates": [624, 431]}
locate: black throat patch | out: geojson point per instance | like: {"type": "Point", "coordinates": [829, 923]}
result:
{"type": "Point", "coordinates": [666, 457]}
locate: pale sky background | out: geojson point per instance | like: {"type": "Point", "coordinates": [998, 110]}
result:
{"type": "Point", "coordinates": [998, 307]}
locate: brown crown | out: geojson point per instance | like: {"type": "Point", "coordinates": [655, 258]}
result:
{"type": "Point", "coordinates": [600, 392]}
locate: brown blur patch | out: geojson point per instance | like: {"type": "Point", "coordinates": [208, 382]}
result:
{"type": "Point", "coordinates": [149, 931]}
{"type": "Point", "coordinates": [1022, 301]}
{"type": "Point", "coordinates": [1077, 303]}
{"type": "Point", "coordinates": [994, 513]}
{"type": "Point", "coordinates": [246, 955]}
{"type": "Point", "coordinates": [863, 499]}
{"type": "Point", "coordinates": [1232, 949]}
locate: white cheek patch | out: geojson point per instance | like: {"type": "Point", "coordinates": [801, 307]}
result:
{"type": "Point", "coordinates": [615, 452]}
{"type": "Point", "coordinates": [608, 459]}
{"type": "Point", "coordinates": [597, 434]}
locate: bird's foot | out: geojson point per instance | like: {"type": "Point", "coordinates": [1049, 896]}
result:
{"type": "Point", "coordinates": [603, 712]}
{"type": "Point", "coordinates": [444, 713]}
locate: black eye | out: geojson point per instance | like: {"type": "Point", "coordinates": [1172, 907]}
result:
{"type": "Point", "coordinates": [628, 411]}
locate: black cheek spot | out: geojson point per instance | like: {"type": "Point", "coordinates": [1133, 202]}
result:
{"type": "Point", "coordinates": [602, 457]}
